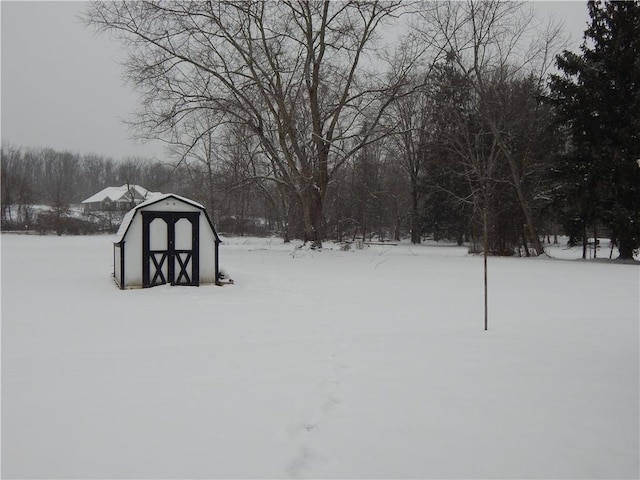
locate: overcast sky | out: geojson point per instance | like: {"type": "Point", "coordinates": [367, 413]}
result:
{"type": "Point", "coordinates": [62, 86]}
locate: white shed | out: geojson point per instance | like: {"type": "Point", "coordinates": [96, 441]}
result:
{"type": "Point", "coordinates": [166, 239]}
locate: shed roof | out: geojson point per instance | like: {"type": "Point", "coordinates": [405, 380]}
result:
{"type": "Point", "coordinates": [117, 193]}
{"type": "Point", "coordinates": [155, 198]}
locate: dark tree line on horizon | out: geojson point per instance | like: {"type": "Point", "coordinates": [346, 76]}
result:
{"type": "Point", "coordinates": [596, 96]}
{"type": "Point", "coordinates": [290, 118]}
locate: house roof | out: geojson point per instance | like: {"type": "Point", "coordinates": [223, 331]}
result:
{"type": "Point", "coordinates": [155, 198]}
{"type": "Point", "coordinates": [115, 194]}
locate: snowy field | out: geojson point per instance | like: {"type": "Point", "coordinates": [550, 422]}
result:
{"type": "Point", "coordinates": [367, 363]}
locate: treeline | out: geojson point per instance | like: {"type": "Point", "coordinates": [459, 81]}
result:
{"type": "Point", "coordinates": [32, 177]}
{"type": "Point", "coordinates": [279, 126]}
{"type": "Point", "coordinates": [415, 184]}
{"type": "Point", "coordinates": [474, 142]}
{"type": "Point", "coordinates": [36, 177]}
{"type": "Point", "coordinates": [46, 176]}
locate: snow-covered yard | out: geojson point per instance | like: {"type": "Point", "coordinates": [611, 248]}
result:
{"type": "Point", "coordinates": [366, 363]}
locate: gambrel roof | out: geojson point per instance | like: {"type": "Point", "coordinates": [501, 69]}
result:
{"type": "Point", "coordinates": [155, 198]}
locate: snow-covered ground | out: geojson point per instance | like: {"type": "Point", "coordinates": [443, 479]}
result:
{"type": "Point", "coordinates": [367, 363]}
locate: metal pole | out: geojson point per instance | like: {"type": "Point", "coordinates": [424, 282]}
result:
{"type": "Point", "coordinates": [486, 283]}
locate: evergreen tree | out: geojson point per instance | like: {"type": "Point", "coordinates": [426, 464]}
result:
{"type": "Point", "coordinates": [597, 96]}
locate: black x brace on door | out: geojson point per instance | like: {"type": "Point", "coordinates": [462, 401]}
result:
{"type": "Point", "coordinates": [182, 265]}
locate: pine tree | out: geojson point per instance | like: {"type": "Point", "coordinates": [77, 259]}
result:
{"type": "Point", "coordinates": [597, 97]}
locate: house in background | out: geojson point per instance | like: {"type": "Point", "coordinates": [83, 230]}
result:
{"type": "Point", "coordinates": [116, 199]}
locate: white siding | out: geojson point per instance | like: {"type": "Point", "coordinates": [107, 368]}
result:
{"type": "Point", "coordinates": [117, 273]}
{"type": "Point", "coordinates": [171, 205]}
{"type": "Point", "coordinates": [207, 252]}
{"type": "Point", "coordinates": [133, 253]}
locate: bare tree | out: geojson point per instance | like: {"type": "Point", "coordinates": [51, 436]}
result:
{"type": "Point", "coordinates": [493, 43]}
{"type": "Point", "coordinates": [60, 171]}
{"type": "Point", "coordinates": [10, 180]}
{"type": "Point", "coordinates": [195, 143]}
{"type": "Point", "coordinates": [465, 144]}
{"type": "Point", "coordinates": [490, 45]}
{"type": "Point", "coordinates": [298, 74]}
{"type": "Point", "coordinates": [412, 116]}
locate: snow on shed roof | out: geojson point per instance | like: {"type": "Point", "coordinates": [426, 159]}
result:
{"type": "Point", "coordinates": [116, 193]}
{"type": "Point", "coordinates": [154, 197]}
{"type": "Point", "coordinates": [124, 226]}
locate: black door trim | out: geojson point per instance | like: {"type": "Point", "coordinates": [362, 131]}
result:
{"type": "Point", "coordinates": [170, 255]}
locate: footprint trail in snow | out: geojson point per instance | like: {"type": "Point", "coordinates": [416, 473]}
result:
{"type": "Point", "coordinates": [309, 461]}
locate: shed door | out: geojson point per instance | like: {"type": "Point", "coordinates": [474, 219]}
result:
{"type": "Point", "coordinates": [170, 248]}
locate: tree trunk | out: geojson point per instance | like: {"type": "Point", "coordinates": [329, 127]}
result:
{"type": "Point", "coordinates": [210, 188]}
{"type": "Point", "coordinates": [313, 218]}
{"type": "Point", "coordinates": [533, 234]}
{"type": "Point", "coordinates": [625, 248]}
{"type": "Point", "coordinates": [285, 232]}
{"type": "Point", "coordinates": [525, 244]}
{"type": "Point", "coordinates": [416, 234]}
